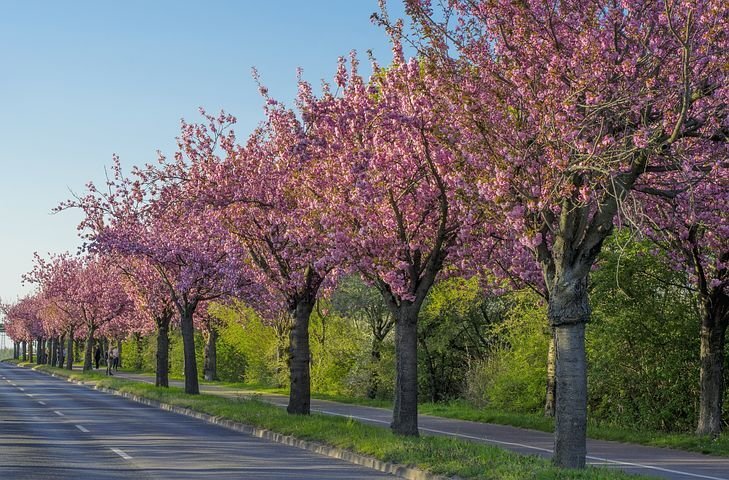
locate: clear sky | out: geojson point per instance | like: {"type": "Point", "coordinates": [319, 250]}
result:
{"type": "Point", "coordinates": [82, 80]}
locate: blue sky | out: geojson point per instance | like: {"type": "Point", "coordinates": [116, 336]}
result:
{"type": "Point", "coordinates": [82, 80]}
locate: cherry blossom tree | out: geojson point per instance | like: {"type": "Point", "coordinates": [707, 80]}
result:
{"type": "Point", "coordinates": [147, 216]}
{"type": "Point", "coordinates": [398, 195]}
{"type": "Point", "coordinates": [89, 288]}
{"type": "Point", "coordinates": [22, 323]}
{"type": "Point", "coordinates": [153, 309]}
{"type": "Point", "coordinates": [568, 104]}
{"type": "Point", "coordinates": [685, 213]}
{"type": "Point", "coordinates": [262, 193]}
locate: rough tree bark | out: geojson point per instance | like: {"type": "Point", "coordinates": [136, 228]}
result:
{"type": "Point", "coordinates": [299, 356]}
{"type": "Point", "coordinates": [549, 400]}
{"type": "Point", "coordinates": [119, 344]}
{"type": "Point", "coordinates": [188, 341]}
{"type": "Point", "coordinates": [713, 339]}
{"type": "Point", "coordinates": [161, 378]}
{"type": "Point", "coordinates": [88, 366]}
{"type": "Point", "coordinates": [59, 348]}
{"type": "Point", "coordinates": [405, 411]}
{"type": "Point", "coordinates": [25, 354]}
{"type": "Point", "coordinates": [69, 350]}
{"type": "Point", "coordinates": [373, 384]}
{"type": "Point", "coordinates": [210, 354]}
{"type": "Point", "coordinates": [139, 349]}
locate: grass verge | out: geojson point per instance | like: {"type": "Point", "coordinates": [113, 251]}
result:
{"type": "Point", "coordinates": [461, 410]}
{"type": "Point", "coordinates": [440, 455]}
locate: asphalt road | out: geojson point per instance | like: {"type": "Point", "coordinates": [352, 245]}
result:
{"type": "Point", "coordinates": [638, 459]}
{"type": "Point", "coordinates": [52, 429]}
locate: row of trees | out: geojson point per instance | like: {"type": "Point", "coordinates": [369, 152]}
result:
{"type": "Point", "coordinates": [511, 147]}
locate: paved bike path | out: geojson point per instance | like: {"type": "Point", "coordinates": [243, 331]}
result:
{"type": "Point", "coordinates": [638, 459]}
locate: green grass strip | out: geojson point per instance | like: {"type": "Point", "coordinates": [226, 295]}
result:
{"type": "Point", "coordinates": [462, 410]}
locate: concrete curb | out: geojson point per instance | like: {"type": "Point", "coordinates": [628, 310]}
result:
{"type": "Point", "coordinates": [402, 471]}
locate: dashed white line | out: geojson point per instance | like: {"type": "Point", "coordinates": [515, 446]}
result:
{"type": "Point", "coordinates": [58, 413]}
{"type": "Point", "coordinates": [82, 428]}
{"type": "Point", "coordinates": [121, 453]}
{"type": "Point", "coordinates": [41, 402]}
{"type": "Point", "coordinates": [21, 389]}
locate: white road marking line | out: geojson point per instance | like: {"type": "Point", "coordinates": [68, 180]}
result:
{"type": "Point", "coordinates": [589, 457]}
{"type": "Point", "coordinates": [121, 453]}
{"type": "Point", "coordinates": [41, 402]}
{"type": "Point", "coordinates": [30, 395]}
{"type": "Point", "coordinates": [21, 389]}
{"type": "Point", "coordinates": [82, 428]}
{"type": "Point", "coordinates": [58, 413]}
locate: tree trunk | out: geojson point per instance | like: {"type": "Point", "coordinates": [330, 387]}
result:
{"type": "Point", "coordinates": [405, 412]}
{"type": "Point", "coordinates": [39, 352]}
{"type": "Point", "coordinates": [210, 355]}
{"type": "Point", "coordinates": [15, 351]}
{"type": "Point", "coordinates": [119, 344]}
{"type": "Point", "coordinates": [139, 348]}
{"type": "Point", "coordinates": [551, 378]}
{"type": "Point", "coordinates": [30, 351]}
{"type": "Point", "coordinates": [299, 359]}
{"type": "Point", "coordinates": [25, 354]}
{"type": "Point", "coordinates": [77, 350]}
{"type": "Point", "coordinates": [433, 394]}
{"type": "Point", "coordinates": [88, 366]}
{"type": "Point", "coordinates": [373, 385]}
{"type": "Point", "coordinates": [104, 351]}
{"type": "Point", "coordinates": [568, 313]}
{"type": "Point", "coordinates": [59, 348]}
{"type": "Point", "coordinates": [713, 337]}
{"type": "Point", "coordinates": [188, 341]}
{"type": "Point", "coordinates": [163, 352]}
{"type": "Point", "coordinates": [69, 350]}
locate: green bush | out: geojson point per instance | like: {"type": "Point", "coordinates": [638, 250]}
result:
{"type": "Point", "coordinates": [513, 376]}
{"type": "Point", "coordinates": [643, 342]}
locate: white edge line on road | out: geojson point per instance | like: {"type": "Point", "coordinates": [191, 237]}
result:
{"type": "Point", "coordinates": [41, 402]}
{"type": "Point", "coordinates": [121, 453]}
{"type": "Point", "coordinates": [58, 413]}
{"type": "Point", "coordinates": [82, 428]}
{"type": "Point", "coordinates": [546, 450]}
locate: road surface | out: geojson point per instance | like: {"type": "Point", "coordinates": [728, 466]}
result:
{"type": "Point", "coordinates": [52, 429]}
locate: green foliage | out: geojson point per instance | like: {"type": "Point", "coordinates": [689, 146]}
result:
{"type": "Point", "coordinates": [455, 330]}
{"type": "Point", "coordinates": [337, 345]}
{"type": "Point", "coordinates": [643, 343]}
{"type": "Point", "coordinates": [363, 311]}
{"type": "Point", "coordinates": [513, 376]}
{"type": "Point", "coordinates": [249, 350]}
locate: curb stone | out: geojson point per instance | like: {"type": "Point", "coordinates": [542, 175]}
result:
{"type": "Point", "coordinates": [402, 471]}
